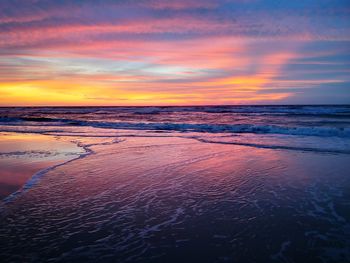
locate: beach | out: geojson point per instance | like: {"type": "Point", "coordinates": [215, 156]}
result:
{"type": "Point", "coordinates": [179, 131]}
{"type": "Point", "coordinates": [160, 195]}
{"type": "Point", "coordinates": [22, 156]}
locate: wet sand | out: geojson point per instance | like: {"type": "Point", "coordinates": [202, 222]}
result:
{"type": "Point", "coordinates": [171, 199]}
{"type": "Point", "coordinates": [24, 155]}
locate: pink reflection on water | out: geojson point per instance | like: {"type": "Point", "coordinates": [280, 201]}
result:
{"type": "Point", "coordinates": [23, 155]}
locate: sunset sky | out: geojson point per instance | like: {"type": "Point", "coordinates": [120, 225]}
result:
{"type": "Point", "coordinates": [185, 52]}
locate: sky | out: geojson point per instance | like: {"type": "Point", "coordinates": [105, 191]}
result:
{"type": "Point", "coordinates": [184, 52]}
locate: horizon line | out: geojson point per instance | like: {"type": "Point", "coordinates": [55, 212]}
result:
{"type": "Point", "coordinates": [141, 106]}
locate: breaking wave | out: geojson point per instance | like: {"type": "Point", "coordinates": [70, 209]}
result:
{"type": "Point", "coordinates": [322, 131]}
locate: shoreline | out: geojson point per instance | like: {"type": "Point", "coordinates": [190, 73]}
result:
{"type": "Point", "coordinates": [27, 159]}
{"type": "Point", "coordinates": [86, 147]}
{"type": "Point", "coordinates": [37, 176]}
{"type": "Point", "coordinates": [150, 190]}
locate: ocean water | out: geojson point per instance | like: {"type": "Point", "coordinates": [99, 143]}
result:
{"type": "Point", "coordinates": [323, 128]}
{"type": "Point", "coordinates": [178, 184]}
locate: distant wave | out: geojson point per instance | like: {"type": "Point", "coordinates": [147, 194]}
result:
{"type": "Point", "coordinates": [315, 111]}
{"type": "Point", "coordinates": [332, 110]}
{"type": "Point", "coordinates": [20, 120]}
{"type": "Point", "coordinates": [323, 121]}
{"type": "Point", "coordinates": [235, 128]}
{"type": "Point", "coordinates": [210, 128]}
{"type": "Point", "coordinates": [280, 147]}
{"type": "Point", "coordinates": [280, 110]}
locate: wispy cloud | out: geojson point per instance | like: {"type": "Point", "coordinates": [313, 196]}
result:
{"type": "Point", "coordinates": [178, 52]}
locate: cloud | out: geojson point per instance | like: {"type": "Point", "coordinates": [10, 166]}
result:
{"type": "Point", "coordinates": [171, 52]}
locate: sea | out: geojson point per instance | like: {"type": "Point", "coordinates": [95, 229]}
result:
{"type": "Point", "coordinates": [175, 184]}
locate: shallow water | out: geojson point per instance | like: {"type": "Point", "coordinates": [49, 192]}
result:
{"type": "Point", "coordinates": [314, 128]}
{"type": "Point", "coordinates": [23, 155]}
{"type": "Point", "coordinates": [172, 196]}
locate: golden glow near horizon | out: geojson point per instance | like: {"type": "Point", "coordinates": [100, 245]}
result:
{"type": "Point", "coordinates": [133, 54]}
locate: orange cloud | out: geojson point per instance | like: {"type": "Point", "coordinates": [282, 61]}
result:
{"type": "Point", "coordinates": [181, 73]}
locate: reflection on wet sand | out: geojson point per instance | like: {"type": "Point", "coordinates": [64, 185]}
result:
{"type": "Point", "coordinates": [144, 199]}
{"type": "Point", "coordinates": [23, 155]}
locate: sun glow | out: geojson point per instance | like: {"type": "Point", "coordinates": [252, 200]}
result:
{"type": "Point", "coordinates": [177, 59]}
